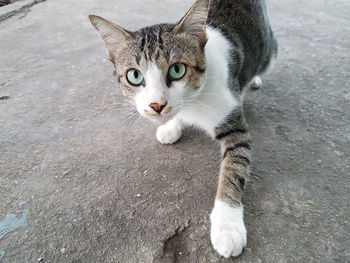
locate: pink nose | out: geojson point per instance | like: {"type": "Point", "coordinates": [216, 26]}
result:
{"type": "Point", "coordinates": [158, 107]}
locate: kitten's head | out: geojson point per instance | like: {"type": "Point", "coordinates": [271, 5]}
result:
{"type": "Point", "coordinates": [160, 67]}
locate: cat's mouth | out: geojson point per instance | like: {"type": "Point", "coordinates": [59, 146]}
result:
{"type": "Point", "coordinates": [166, 114]}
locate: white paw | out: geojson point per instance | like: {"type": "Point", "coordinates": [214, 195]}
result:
{"type": "Point", "coordinates": [256, 83]}
{"type": "Point", "coordinates": [228, 233]}
{"type": "Point", "coordinates": [169, 133]}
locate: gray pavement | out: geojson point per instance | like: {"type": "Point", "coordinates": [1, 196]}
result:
{"type": "Point", "coordinates": [77, 186]}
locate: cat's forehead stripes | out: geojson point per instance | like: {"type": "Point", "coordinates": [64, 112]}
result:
{"type": "Point", "coordinates": [150, 42]}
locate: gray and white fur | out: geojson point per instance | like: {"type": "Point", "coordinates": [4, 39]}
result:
{"type": "Point", "coordinates": [196, 73]}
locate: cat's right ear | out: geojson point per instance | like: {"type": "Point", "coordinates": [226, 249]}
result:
{"type": "Point", "coordinates": [114, 36]}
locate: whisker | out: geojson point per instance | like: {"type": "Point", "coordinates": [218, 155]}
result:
{"type": "Point", "coordinates": [126, 119]}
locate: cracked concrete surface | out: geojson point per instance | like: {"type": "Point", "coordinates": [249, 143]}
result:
{"type": "Point", "coordinates": [98, 191]}
{"type": "Point", "coordinates": [20, 9]}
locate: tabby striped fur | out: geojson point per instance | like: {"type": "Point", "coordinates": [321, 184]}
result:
{"type": "Point", "coordinates": [225, 46]}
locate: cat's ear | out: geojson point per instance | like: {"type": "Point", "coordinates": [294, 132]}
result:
{"type": "Point", "coordinates": [195, 21]}
{"type": "Point", "coordinates": [114, 36]}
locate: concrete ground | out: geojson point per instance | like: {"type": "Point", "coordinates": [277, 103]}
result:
{"type": "Point", "coordinates": [78, 186]}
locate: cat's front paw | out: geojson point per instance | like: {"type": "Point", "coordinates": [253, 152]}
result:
{"type": "Point", "coordinates": [228, 233]}
{"type": "Point", "coordinates": [168, 133]}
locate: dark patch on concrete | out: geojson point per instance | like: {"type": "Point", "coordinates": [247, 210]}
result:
{"type": "Point", "coordinates": [22, 10]}
{"type": "Point", "coordinates": [4, 2]}
{"type": "Point", "coordinates": [12, 222]}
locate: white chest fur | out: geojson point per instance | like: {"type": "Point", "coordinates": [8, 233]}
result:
{"type": "Point", "coordinates": [215, 100]}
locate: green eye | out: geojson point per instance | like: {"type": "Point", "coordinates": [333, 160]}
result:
{"type": "Point", "coordinates": [134, 77]}
{"type": "Point", "coordinates": [177, 71]}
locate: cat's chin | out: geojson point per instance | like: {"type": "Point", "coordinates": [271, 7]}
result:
{"type": "Point", "coordinates": [160, 119]}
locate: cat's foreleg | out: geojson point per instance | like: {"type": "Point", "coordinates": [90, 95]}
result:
{"type": "Point", "coordinates": [228, 233]}
{"type": "Point", "coordinates": [170, 132]}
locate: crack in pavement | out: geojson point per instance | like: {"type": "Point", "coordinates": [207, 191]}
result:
{"type": "Point", "coordinates": [23, 9]}
{"type": "Point", "coordinates": [181, 228]}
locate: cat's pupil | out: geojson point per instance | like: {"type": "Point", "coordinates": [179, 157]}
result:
{"type": "Point", "coordinates": [136, 74]}
{"type": "Point", "coordinates": [176, 68]}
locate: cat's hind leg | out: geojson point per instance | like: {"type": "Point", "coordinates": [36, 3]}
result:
{"type": "Point", "coordinates": [170, 132]}
{"type": "Point", "coordinates": [256, 83]}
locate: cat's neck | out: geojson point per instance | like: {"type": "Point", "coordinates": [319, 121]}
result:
{"type": "Point", "coordinates": [217, 53]}
{"type": "Point", "coordinates": [215, 100]}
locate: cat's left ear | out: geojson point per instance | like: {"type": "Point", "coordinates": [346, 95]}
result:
{"type": "Point", "coordinates": [114, 36]}
{"type": "Point", "coordinates": [195, 21]}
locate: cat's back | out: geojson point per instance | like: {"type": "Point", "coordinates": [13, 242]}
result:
{"type": "Point", "coordinates": [246, 25]}
{"type": "Point", "coordinates": [238, 14]}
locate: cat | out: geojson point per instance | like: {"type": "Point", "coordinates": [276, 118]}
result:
{"type": "Point", "coordinates": [196, 73]}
